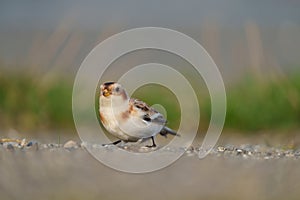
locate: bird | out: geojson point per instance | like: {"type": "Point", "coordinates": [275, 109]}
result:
{"type": "Point", "coordinates": [129, 119]}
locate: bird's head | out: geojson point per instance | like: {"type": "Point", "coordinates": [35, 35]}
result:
{"type": "Point", "coordinates": [112, 90]}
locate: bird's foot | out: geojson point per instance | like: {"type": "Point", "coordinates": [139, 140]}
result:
{"type": "Point", "coordinates": [153, 143]}
{"type": "Point", "coordinates": [151, 146]}
{"type": "Point", "coordinates": [113, 143]}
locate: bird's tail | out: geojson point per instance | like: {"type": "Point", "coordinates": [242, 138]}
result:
{"type": "Point", "coordinates": [166, 130]}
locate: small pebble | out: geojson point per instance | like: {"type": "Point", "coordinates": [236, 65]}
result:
{"type": "Point", "coordinates": [190, 150]}
{"type": "Point", "coordinates": [10, 147]}
{"type": "Point", "coordinates": [84, 145]}
{"type": "Point", "coordinates": [71, 145]}
{"type": "Point", "coordinates": [229, 147]}
{"type": "Point", "coordinates": [245, 156]}
{"type": "Point", "coordinates": [23, 143]}
{"type": "Point", "coordinates": [221, 149]}
{"type": "Point", "coordinates": [32, 145]}
{"type": "Point", "coordinates": [239, 151]}
{"type": "Point", "coordinates": [297, 153]}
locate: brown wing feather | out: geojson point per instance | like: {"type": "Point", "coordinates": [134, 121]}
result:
{"type": "Point", "coordinates": [151, 114]}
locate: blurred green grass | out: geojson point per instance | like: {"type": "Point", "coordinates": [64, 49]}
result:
{"type": "Point", "coordinates": [266, 104]}
{"type": "Point", "coordinates": [30, 104]}
{"type": "Point", "coordinates": [27, 103]}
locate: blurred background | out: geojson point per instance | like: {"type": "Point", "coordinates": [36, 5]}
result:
{"type": "Point", "coordinates": [255, 44]}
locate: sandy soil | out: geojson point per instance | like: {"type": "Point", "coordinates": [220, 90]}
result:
{"type": "Point", "coordinates": [58, 173]}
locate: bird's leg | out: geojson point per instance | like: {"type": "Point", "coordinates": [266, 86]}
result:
{"type": "Point", "coordinates": [116, 142]}
{"type": "Point", "coordinates": [113, 143]}
{"type": "Point", "coordinates": [153, 143]}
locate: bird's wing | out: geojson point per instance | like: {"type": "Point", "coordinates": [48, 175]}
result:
{"type": "Point", "coordinates": [147, 113]}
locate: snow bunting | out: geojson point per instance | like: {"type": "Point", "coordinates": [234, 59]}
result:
{"type": "Point", "coordinates": [129, 119]}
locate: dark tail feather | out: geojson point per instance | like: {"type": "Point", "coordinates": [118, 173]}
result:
{"type": "Point", "coordinates": [166, 130]}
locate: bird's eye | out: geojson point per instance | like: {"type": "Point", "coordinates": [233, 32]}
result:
{"type": "Point", "coordinates": [117, 89]}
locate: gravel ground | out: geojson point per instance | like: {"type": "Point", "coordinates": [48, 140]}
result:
{"type": "Point", "coordinates": [32, 170]}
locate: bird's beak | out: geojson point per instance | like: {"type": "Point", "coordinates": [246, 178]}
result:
{"type": "Point", "coordinates": [106, 93]}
